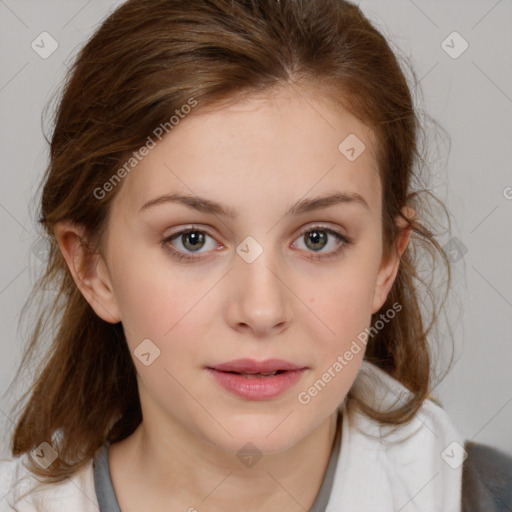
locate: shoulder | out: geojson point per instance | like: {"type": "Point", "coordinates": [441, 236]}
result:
{"type": "Point", "coordinates": [482, 474]}
{"type": "Point", "coordinates": [421, 458]}
{"type": "Point", "coordinates": [383, 393]}
{"type": "Point", "coordinates": [15, 482]}
{"type": "Point", "coordinates": [21, 490]}
{"type": "Point", "coordinates": [487, 479]}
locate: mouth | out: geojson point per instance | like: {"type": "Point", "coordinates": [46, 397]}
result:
{"type": "Point", "coordinates": [256, 375]}
{"type": "Point", "coordinates": [253, 367]}
{"type": "Point", "coordinates": [253, 380]}
{"type": "Point", "coordinates": [250, 375]}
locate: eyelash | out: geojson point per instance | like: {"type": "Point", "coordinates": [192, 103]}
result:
{"type": "Point", "coordinates": [181, 256]}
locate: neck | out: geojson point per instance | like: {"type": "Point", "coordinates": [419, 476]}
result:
{"type": "Point", "coordinates": [179, 468]}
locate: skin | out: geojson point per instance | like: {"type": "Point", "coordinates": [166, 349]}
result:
{"type": "Point", "coordinates": [258, 156]}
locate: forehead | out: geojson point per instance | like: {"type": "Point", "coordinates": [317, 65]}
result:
{"type": "Point", "coordinates": [265, 149]}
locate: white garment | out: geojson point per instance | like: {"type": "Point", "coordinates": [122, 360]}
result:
{"type": "Point", "coordinates": [403, 471]}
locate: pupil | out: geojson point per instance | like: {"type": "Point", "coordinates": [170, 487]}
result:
{"type": "Point", "coordinates": [317, 237]}
{"type": "Point", "coordinates": [196, 238]}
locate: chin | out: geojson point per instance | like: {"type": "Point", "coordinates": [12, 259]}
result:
{"type": "Point", "coordinates": [259, 436]}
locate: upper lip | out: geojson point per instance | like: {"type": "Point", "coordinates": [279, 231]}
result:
{"type": "Point", "coordinates": [253, 366]}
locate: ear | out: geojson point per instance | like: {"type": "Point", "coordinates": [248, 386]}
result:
{"type": "Point", "coordinates": [389, 267]}
{"type": "Point", "coordinates": [89, 271]}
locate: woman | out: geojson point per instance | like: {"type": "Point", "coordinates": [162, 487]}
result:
{"type": "Point", "coordinates": [286, 365]}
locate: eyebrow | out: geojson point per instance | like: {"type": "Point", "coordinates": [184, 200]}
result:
{"type": "Point", "coordinates": [204, 205]}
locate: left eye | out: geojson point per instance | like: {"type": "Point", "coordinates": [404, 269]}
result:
{"type": "Point", "coordinates": [317, 238]}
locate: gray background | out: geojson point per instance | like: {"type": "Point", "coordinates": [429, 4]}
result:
{"type": "Point", "coordinates": [470, 96]}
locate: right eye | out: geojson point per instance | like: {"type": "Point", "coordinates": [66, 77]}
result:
{"type": "Point", "coordinates": [191, 239]}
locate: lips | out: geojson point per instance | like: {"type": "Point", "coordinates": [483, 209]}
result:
{"type": "Point", "coordinates": [253, 367]}
{"type": "Point", "coordinates": [257, 380]}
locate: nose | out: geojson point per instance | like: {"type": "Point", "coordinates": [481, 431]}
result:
{"type": "Point", "coordinates": [259, 302]}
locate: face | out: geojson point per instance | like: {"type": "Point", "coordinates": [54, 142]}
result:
{"type": "Point", "coordinates": [267, 279]}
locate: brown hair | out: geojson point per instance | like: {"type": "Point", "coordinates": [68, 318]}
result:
{"type": "Point", "coordinates": [148, 59]}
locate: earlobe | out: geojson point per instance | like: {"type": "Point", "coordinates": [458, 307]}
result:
{"type": "Point", "coordinates": [89, 271]}
{"type": "Point", "coordinates": [389, 267]}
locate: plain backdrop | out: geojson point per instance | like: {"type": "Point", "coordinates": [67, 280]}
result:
{"type": "Point", "coordinates": [461, 51]}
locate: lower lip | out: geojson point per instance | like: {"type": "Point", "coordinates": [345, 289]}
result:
{"type": "Point", "coordinates": [258, 388]}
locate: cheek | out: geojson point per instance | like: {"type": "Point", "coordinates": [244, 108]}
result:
{"type": "Point", "coordinates": [343, 301]}
{"type": "Point", "coordinates": [161, 307]}
{"type": "Point", "coordinates": [337, 327]}
{"type": "Point", "coordinates": [168, 313]}
{"type": "Point", "coordinates": [343, 335]}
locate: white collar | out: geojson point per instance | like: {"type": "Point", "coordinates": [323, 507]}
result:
{"type": "Point", "coordinates": [412, 467]}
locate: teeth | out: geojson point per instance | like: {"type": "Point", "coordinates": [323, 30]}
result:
{"type": "Point", "coordinates": [252, 375]}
